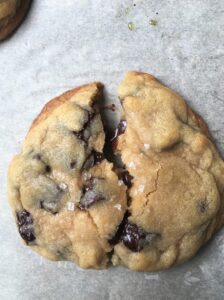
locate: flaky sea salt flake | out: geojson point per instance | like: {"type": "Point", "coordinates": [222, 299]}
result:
{"type": "Point", "coordinates": [132, 165]}
{"type": "Point", "coordinates": [146, 146]}
{"type": "Point", "coordinates": [118, 206]}
{"type": "Point", "coordinates": [120, 182]}
{"type": "Point", "coordinates": [70, 206]}
{"type": "Point", "coordinates": [63, 186]}
{"type": "Point", "coordinates": [141, 188]}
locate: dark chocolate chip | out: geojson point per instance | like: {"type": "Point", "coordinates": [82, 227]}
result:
{"type": "Point", "coordinates": [118, 131]}
{"type": "Point", "coordinates": [88, 185]}
{"type": "Point", "coordinates": [89, 163]}
{"type": "Point", "coordinates": [48, 169]}
{"type": "Point", "coordinates": [203, 206]}
{"type": "Point", "coordinates": [37, 156]}
{"type": "Point", "coordinates": [79, 135]}
{"type": "Point", "coordinates": [27, 233]}
{"type": "Point", "coordinates": [117, 237]}
{"type": "Point", "coordinates": [25, 221]}
{"type": "Point", "coordinates": [73, 164]}
{"type": "Point", "coordinates": [135, 238]}
{"type": "Point", "coordinates": [24, 218]}
{"type": "Point", "coordinates": [132, 236]}
{"type": "Point", "coordinates": [94, 159]}
{"type": "Point", "coordinates": [127, 178]}
{"type": "Point", "coordinates": [50, 206]}
{"type": "Point", "coordinates": [98, 157]}
{"type": "Point", "coordinates": [91, 116]}
{"type": "Point", "coordinates": [90, 198]}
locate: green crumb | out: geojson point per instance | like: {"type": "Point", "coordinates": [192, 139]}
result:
{"type": "Point", "coordinates": [153, 22]}
{"type": "Point", "coordinates": [127, 10]}
{"type": "Point", "coordinates": [131, 26]}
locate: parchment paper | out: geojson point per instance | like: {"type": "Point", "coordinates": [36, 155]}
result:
{"type": "Point", "coordinates": [67, 43]}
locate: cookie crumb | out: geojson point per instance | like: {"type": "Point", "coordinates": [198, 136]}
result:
{"type": "Point", "coordinates": [118, 206]}
{"type": "Point", "coordinates": [146, 146]}
{"type": "Point", "coordinates": [131, 26]}
{"type": "Point", "coordinates": [153, 22]}
{"type": "Point", "coordinates": [70, 206]}
{"type": "Point", "coordinates": [132, 165]}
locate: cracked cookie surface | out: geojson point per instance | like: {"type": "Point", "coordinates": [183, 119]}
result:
{"type": "Point", "coordinates": [177, 186]}
{"type": "Point", "coordinates": [12, 13]}
{"type": "Point", "coordinates": [66, 198]}
{"type": "Point", "coordinates": [71, 203]}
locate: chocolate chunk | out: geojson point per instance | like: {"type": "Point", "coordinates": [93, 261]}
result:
{"type": "Point", "coordinates": [37, 156]}
{"type": "Point", "coordinates": [89, 163]}
{"type": "Point", "coordinates": [50, 206]}
{"type": "Point", "coordinates": [25, 221]}
{"type": "Point", "coordinates": [117, 237]}
{"type": "Point", "coordinates": [81, 134]}
{"type": "Point", "coordinates": [91, 116]}
{"type": "Point", "coordinates": [135, 238]}
{"type": "Point", "coordinates": [94, 159]}
{"type": "Point", "coordinates": [98, 157]}
{"type": "Point", "coordinates": [132, 236]}
{"type": "Point", "coordinates": [90, 198]}
{"type": "Point", "coordinates": [118, 131]}
{"type": "Point", "coordinates": [73, 164]}
{"type": "Point", "coordinates": [89, 185]}
{"type": "Point", "coordinates": [48, 169]}
{"type": "Point", "coordinates": [127, 178]}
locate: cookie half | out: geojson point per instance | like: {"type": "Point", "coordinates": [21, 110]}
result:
{"type": "Point", "coordinates": [176, 177]}
{"type": "Point", "coordinates": [12, 13]}
{"type": "Point", "coordinates": [67, 200]}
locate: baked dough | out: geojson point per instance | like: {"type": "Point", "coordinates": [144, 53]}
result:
{"type": "Point", "coordinates": [176, 196]}
{"type": "Point", "coordinates": [71, 203]}
{"type": "Point", "coordinates": [12, 13]}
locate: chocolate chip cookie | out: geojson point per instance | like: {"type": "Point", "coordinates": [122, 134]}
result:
{"type": "Point", "coordinates": [153, 209]}
{"type": "Point", "coordinates": [67, 200]}
{"type": "Point", "coordinates": [176, 186]}
{"type": "Point", "coordinates": [12, 13]}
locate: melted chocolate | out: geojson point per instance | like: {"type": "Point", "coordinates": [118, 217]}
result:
{"type": "Point", "coordinates": [132, 236]}
{"type": "Point", "coordinates": [81, 134]}
{"type": "Point", "coordinates": [127, 178]}
{"type": "Point", "coordinates": [25, 222]}
{"type": "Point", "coordinates": [90, 198]}
{"type": "Point", "coordinates": [118, 131]}
{"type": "Point", "coordinates": [94, 158]}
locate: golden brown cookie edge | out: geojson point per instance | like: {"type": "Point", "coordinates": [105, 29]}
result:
{"type": "Point", "coordinates": [15, 22]}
